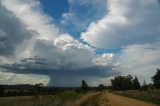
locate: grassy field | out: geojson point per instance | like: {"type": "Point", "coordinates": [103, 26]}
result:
{"type": "Point", "coordinates": [150, 95]}
{"type": "Point", "coordinates": [67, 98]}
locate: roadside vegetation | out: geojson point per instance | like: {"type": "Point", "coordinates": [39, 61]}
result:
{"type": "Point", "coordinates": [60, 99]}
{"type": "Point", "coordinates": [149, 95]}
{"type": "Point", "coordinates": [127, 86]}
{"type": "Point", "coordinates": [68, 98]}
{"type": "Point", "coordinates": [38, 95]}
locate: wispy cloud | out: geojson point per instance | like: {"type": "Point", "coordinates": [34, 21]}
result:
{"type": "Point", "coordinates": [77, 19]}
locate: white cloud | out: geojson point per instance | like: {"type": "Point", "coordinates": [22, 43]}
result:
{"type": "Point", "coordinates": [11, 78]}
{"type": "Point", "coordinates": [31, 14]}
{"type": "Point", "coordinates": [127, 22]}
{"type": "Point", "coordinates": [12, 32]}
{"type": "Point", "coordinates": [47, 42]}
{"type": "Point", "coordinates": [104, 60]}
{"type": "Point", "coordinates": [78, 19]}
{"type": "Point", "coordinates": [65, 52]}
{"type": "Point", "coordinates": [64, 59]}
{"type": "Point", "coordinates": [140, 60]}
{"type": "Point", "coordinates": [49, 51]}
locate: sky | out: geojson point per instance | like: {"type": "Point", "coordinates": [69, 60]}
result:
{"type": "Point", "coordinates": [62, 42]}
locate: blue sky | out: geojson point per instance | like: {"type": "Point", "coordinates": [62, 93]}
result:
{"type": "Point", "coordinates": [68, 14]}
{"type": "Point", "coordinates": [83, 12]}
{"type": "Point", "coordinates": [55, 8]}
{"type": "Point", "coordinates": [61, 42]}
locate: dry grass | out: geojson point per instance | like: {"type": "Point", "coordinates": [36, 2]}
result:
{"type": "Point", "coordinates": [103, 100]}
{"type": "Point", "coordinates": [150, 95]}
{"type": "Point", "coordinates": [90, 99]}
{"type": "Point", "coordinates": [62, 99]}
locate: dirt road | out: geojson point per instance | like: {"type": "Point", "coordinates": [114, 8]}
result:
{"type": "Point", "coordinates": [116, 100]}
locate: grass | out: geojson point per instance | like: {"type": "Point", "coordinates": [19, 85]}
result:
{"type": "Point", "coordinates": [60, 99]}
{"type": "Point", "coordinates": [103, 100]}
{"type": "Point", "coordinates": [90, 100]}
{"type": "Point", "coordinates": [149, 96]}
{"type": "Point", "coordinates": [67, 98]}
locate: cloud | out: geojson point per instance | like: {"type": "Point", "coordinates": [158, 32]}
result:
{"type": "Point", "coordinates": [12, 78]}
{"type": "Point", "coordinates": [80, 20]}
{"type": "Point", "coordinates": [12, 32]}
{"type": "Point", "coordinates": [31, 14]}
{"type": "Point", "coordinates": [140, 60]}
{"type": "Point", "coordinates": [51, 52]}
{"type": "Point", "coordinates": [33, 48]}
{"type": "Point", "coordinates": [104, 60]}
{"type": "Point", "coordinates": [126, 23]}
{"type": "Point", "coordinates": [64, 59]}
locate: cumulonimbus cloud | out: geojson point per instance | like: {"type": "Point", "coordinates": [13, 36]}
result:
{"type": "Point", "coordinates": [43, 49]}
{"type": "Point", "coordinates": [49, 51]}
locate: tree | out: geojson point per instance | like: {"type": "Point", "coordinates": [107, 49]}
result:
{"type": "Point", "coordinates": [150, 86]}
{"type": "Point", "coordinates": [136, 84]}
{"type": "Point", "coordinates": [2, 90]}
{"type": "Point", "coordinates": [122, 82]}
{"type": "Point", "coordinates": [39, 87]}
{"type": "Point", "coordinates": [101, 87]}
{"type": "Point", "coordinates": [84, 85]}
{"type": "Point", "coordinates": [156, 79]}
{"type": "Point", "coordinates": [144, 87]}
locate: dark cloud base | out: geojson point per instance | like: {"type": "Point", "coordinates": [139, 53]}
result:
{"type": "Point", "coordinates": [59, 77]}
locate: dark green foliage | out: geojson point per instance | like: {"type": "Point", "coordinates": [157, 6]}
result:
{"type": "Point", "coordinates": [156, 79]}
{"type": "Point", "coordinates": [84, 86]}
{"type": "Point", "coordinates": [26, 90]}
{"type": "Point", "coordinates": [122, 82]}
{"type": "Point", "coordinates": [150, 86]}
{"type": "Point", "coordinates": [144, 87]}
{"type": "Point", "coordinates": [2, 90]}
{"type": "Point", "coordinates": [136, 84]}
{"type": "Point", "coordinates": [101, 87]}
{"type": "Point", "coordinates": [39, 88]}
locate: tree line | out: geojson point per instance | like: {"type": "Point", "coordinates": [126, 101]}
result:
{"type": "Point", "coordinates": [118, 83]}
{"type": "Point", "coordinates": [40, 89]}
{"type": "Point", "coordinates": [128, 82]}
{"type": "Point", "coordinates": [25, 90]}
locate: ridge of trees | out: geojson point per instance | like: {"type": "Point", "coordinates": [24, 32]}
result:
{"type": "Point", "coordinates": [128, 83]}
{"type": "Point", "coordinates": [156, 79]}
{"type": "Point", "coordinates": [125, 83]}
{"type": "Point", "coordinates": [118, 83]}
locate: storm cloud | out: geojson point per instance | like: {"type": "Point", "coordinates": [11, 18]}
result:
{"type": "Point", "coordinates": [12, 32]}
{"type": "Point", "coordinates": [50, 52]}
{"type": "Point", "coordinates": [33, 46]}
